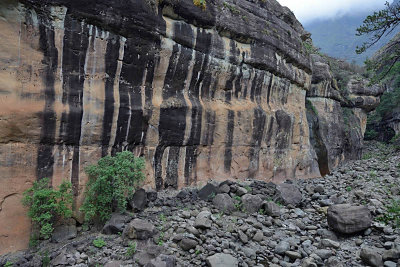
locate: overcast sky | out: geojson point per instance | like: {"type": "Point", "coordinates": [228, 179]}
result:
{"type": "Point", "coordinates": [308, 10]}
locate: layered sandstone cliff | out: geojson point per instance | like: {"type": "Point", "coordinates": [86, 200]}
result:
{"type": "Point", "coordinates": [202, 94]}
{"type": "Point", "coordinates": [338, 116]}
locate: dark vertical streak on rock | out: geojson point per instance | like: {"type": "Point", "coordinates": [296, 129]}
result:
{"type": "Point", "coordinates": [256, 139]}
{"type": "Point", "coordinates": [45, 157]}
{"type": "Point", "coordinates": [229, 141]}
{"type": "Point", "coordinates": [172, 122]}
{"type": "Point", "coordinates": [111, 64]}
{"type": "Point", "coordinates": [197, 110]}
{"type": "Point", "coordinates": [269, 87]}
{"type": "Point", "coordinates": [75, 47]}
{"type": "Point", "coordinates": [238, 83]}
{"type": "Point", "coordinates": [254, 86]}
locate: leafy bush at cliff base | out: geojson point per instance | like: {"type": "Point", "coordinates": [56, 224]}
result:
{"type": "Point", "coordinates": [47, 205]}
{"type": "Point", "coordinates": [111, 181]}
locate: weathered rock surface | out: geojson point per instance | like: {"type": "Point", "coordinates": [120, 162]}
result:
{"type": "Point", "coordinates": [337, 117]}
{"type": "Point", "coordinates": [348, 219]}
{"type": "Point", "coordinates": [200, 93]}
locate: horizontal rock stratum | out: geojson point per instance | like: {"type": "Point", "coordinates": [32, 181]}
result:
{"type": "Point", "coordinates": [202, 94]}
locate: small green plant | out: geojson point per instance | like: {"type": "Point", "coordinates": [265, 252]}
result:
{"type": "Point", "coordinates": [131, 249]}
{"type": "Point", "coordinates": [163, 218]}
{"type": "Point", "coordinates": [47, 205]}
{"type": "Point", "coordinates": [211, 196]}
{"type": "Point", "coordinates": [200, 3]}
{"type": "Point", "coordinates": [45, 259]}
{"type": "Point", "coordinates": [238, 203]}
{"type": "Point", "coordinates": [34, 240]}
{"type": "Point", "coordinates": [392, 213]}
{"type": "Point", "coordinates": [160, 241]}
{"type": "Point", "coordinates": [232, 8]}
{"type": "Point", "coordinates": [248, 188]}
{"type": "Point", "coordinates": [310, 106]}
{"type": "Point", "coordinates": [8, 264]}
{"type": "Point", "coordinates": [111, 181]}
{"type": "Point", "coordinates": [99, 243]}
{"type": "Point", "coordinates": [261, 212]}
{"type": "Point", "coordinates": [197, 252]}
{"type": "Point", "coordinates": [367, 156]}
{"type": "Point", "coordinates": [348, 188]}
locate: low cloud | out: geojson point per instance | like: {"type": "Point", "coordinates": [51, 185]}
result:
{"type": "Point", "coordinates": [309, 10]}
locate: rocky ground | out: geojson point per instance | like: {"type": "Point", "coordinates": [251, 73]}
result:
{"type": "Point", "coordinates": [337, 220]}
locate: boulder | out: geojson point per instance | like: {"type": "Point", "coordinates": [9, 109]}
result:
{"type": "Point", "coordinates": [203, 220]}
{"type": "Point", "coordinates": [162, 261]}
{"type": "Point", "coordinates": [288, 194]}
{"type": "Point", "coordinates": [348, 219]}
{"type": "Point", "coordinates": [139, 229]}
{"type": "Point", "coordinates": [208, 191]}
{"type": "Point", "coordinates": [371, 257]}
{"type": "Point", "coordinates": [188, 243]}
{"type": "Point", "coordinates": [63, 232]}
{"type": "Point", "coordinates": [251, 203]}
{"type": "Point", "coordinates": [152, 195]}
{"type": "Point", "coordinates": [224, 203]}
{"type": "Point", "coordinates": [139, 200]}
{"type": "Point", "coordinates": [271, 208]}
{"type": "Point", "coordinates": [222, 260]}
{"type": "Point", "coordinates": [115, 224]}
{"type": "Point", "coordinates": [225, 188]}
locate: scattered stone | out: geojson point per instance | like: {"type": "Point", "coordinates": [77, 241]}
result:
{"type": "Point", "coordinates": [152, 195]}
{"type": "Point", "coordinates": [347, 219]}
{"type": "Point", "coordinates": [115, 224]}
{"type": "Point", "coordinates": [139, 229]}
{"type": "Point", "coordinates": [251, 203]}
{"type": "Point", "coordinates": [240, 191]}
{"type": "Point", "coordinates": [371, 257]}
{"type": "Point", "coordinates": [203, 220]}
{"type": "Point", "coordinates": [271, 208]}
{"type": "Point", "coordinates": [162, 261]}
{"type": "Point", "coordinates": [139, 200]}
{"type": "Point", "coordinates": [225, 188]}
{"type": "Point", "coordinates": [289, 194]}
{"type": "Point", "coordinates": [293, 255]}
{"type": "Point", "coordinates": [224, 203]}
{"type": "Point", "coordinates": [208, 191]}
{"type": "Point", "coordinates": [282, 247]}
{"type": "Point", "coordinates": [188, 243]}
{"type": "Point", "coordinates": [222, 260]}
{"type": "Point", "coordinates": [63, 232]}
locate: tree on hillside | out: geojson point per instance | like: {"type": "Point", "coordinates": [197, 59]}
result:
{"type": "Point", "coordinates": [377, 25]}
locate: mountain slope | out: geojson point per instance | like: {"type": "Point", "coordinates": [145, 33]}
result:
{"type": "Point", "coordinates": [336, 37]}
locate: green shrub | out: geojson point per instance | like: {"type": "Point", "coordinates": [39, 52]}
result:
{"type": "Point", "coordinates": [392, 213]}
{"type": "Point", "coordinates": [99, 243]}
{"type": "Point", "coordinates": [47, 205]}
{"type": "Point", "coordinates": [111, 181]}
{"type": "Point", "coordinates": [45, 259]}
{"type": "Point", "coordinates": [131, 249]}
{"type": "Point", "coordinates": [8, 264]}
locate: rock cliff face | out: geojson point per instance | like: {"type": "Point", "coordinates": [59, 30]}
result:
{"type": "Point", "coordinates": [202, 93]}
{"type": "Point", "coordinates": [338, 117]}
